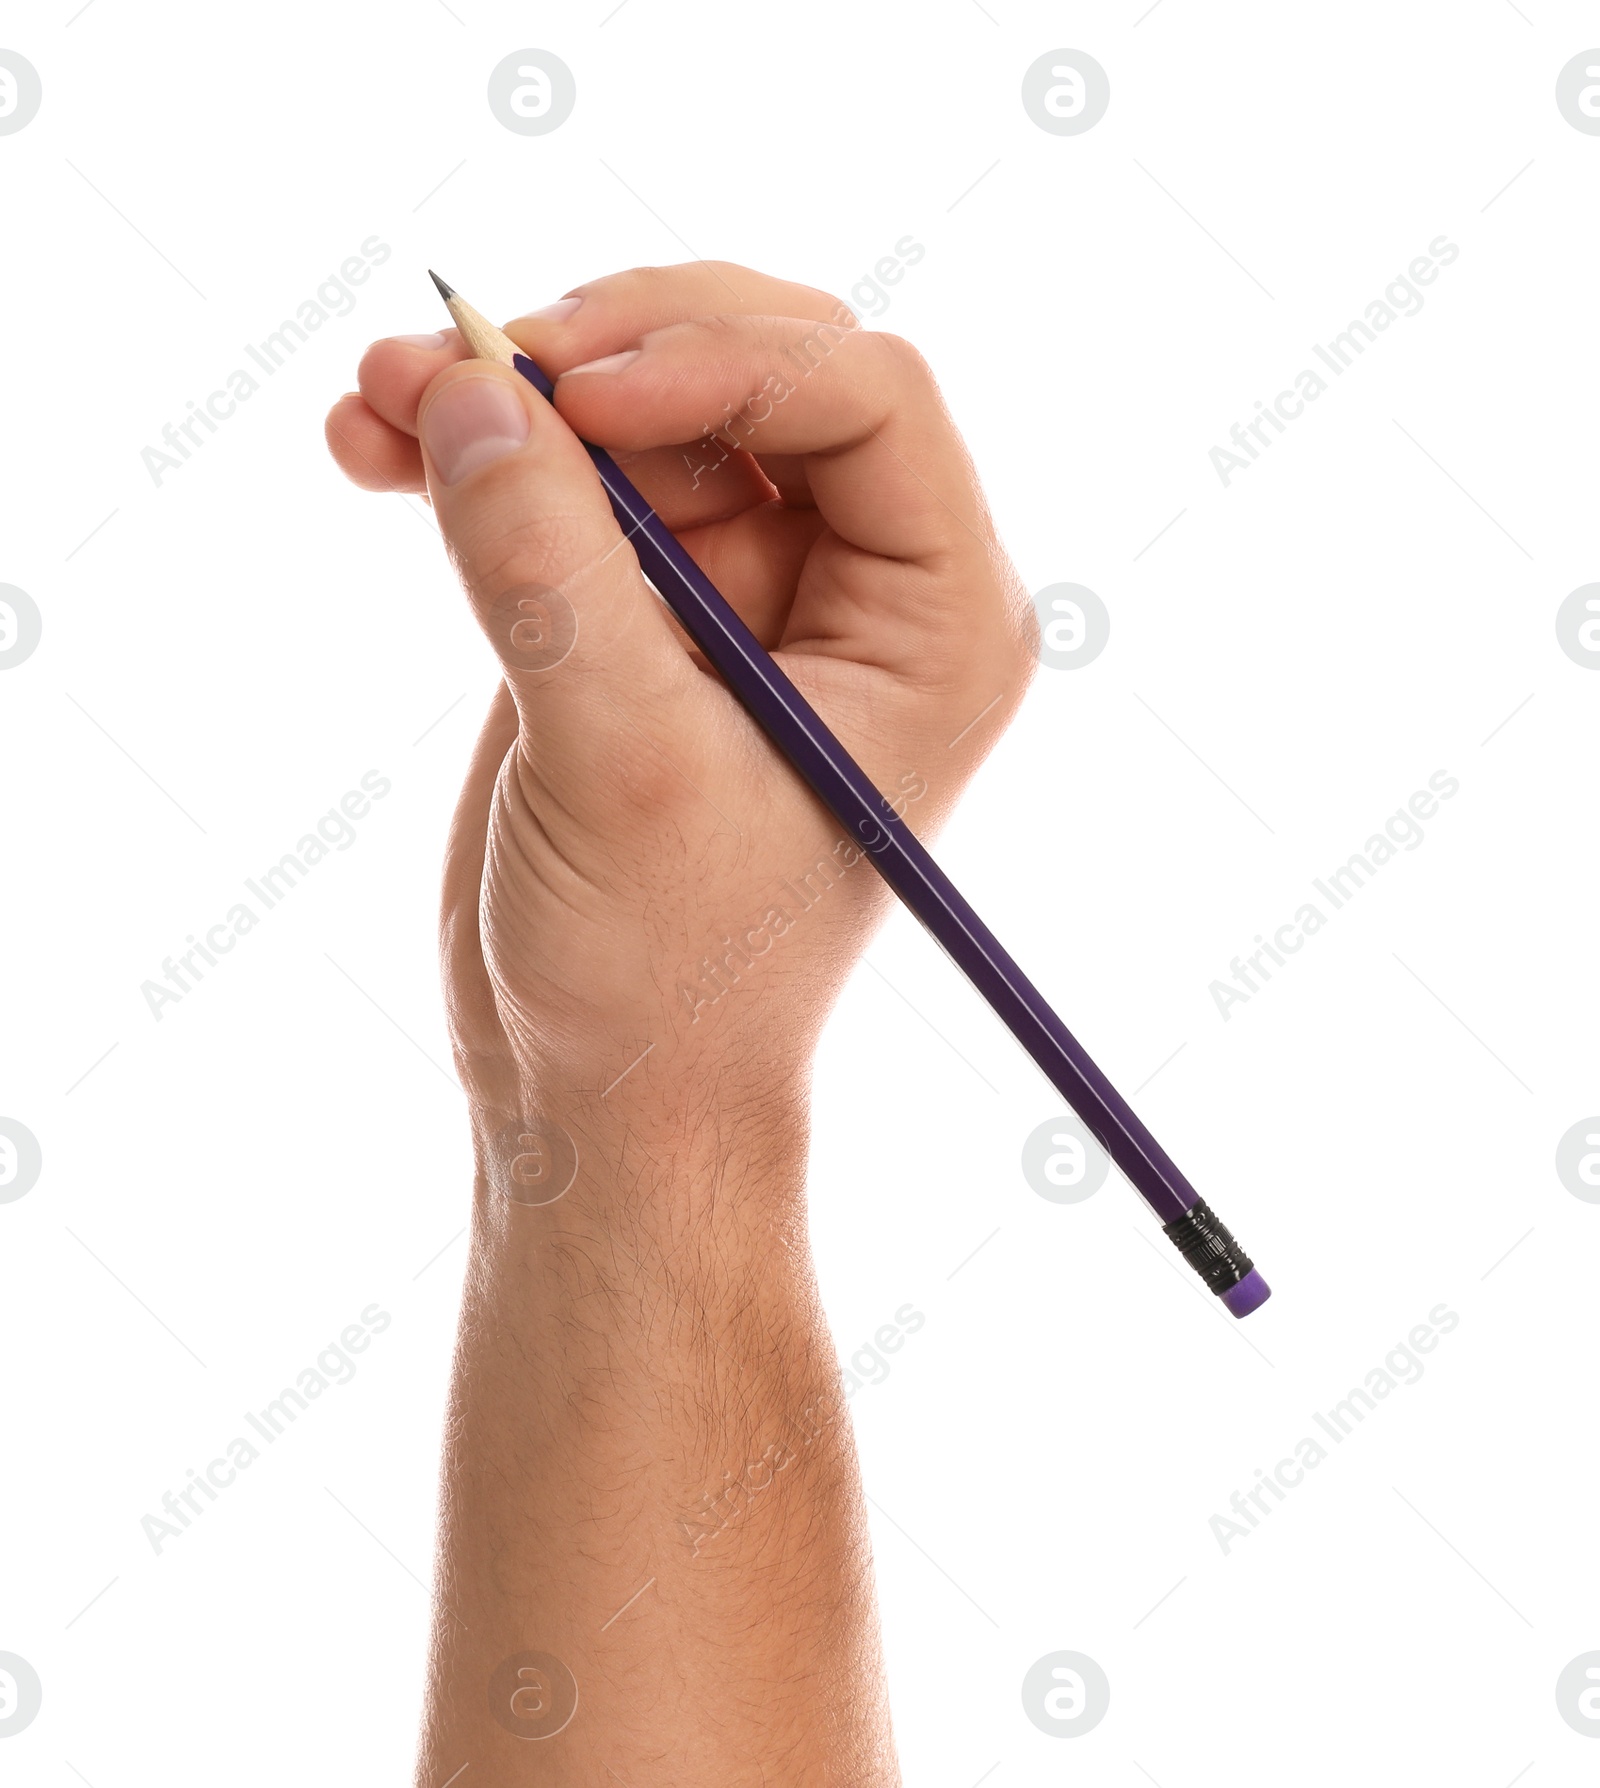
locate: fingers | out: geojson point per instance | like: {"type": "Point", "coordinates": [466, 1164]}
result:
{"type": "Point", "coordinates": [678, 484]}
{"type": "Point", "coordinates": [755, 560]}
{"type": "Point", "coordinates": [369, 451]}
{"type": "Point", "coordinates": [596, 319]}
{"type": "Point", "coordinates": [611, 313]}
{"type": "Point", "coordinates": [372, 435]}
{"type": "Point", "coordinates": [553, 584]}
{"type": "Point", "coordinates": [602, 316]}
{"type": "Point", "coordinates": [372, 432]}
{"type": "Point", "coordinates": [886, 466]}
{"type": "Point", "coordinates": [375, 455]}
{"type": "Point", "coordinates": [395, 372]}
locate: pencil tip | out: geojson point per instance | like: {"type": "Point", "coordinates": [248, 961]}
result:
{"type": "Point", "coordinates": [445, 291]}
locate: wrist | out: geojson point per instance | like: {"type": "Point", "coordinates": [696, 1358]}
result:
{"type": "Point", "coordinates": [726, 1143]}
{"type": "Point", "coordinates": [659, 1240]}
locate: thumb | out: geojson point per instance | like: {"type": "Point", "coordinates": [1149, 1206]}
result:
{"type": "Point", "coordinates": [582, 640]}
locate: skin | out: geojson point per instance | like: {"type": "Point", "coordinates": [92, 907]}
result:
{"type": "Point", "coordinates": [646, 920]}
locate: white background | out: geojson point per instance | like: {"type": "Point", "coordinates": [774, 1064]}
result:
{"type": "Point", "coordinates": [226, 653]}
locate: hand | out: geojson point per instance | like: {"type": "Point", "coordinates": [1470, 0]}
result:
{"type": "Point", "coordinates": [632, 866]}
{"type": "Point", "coordinates": [646, 919]}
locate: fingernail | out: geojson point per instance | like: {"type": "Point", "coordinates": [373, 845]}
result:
{"type": "Point", "coordinates": [612, 363]}
{"type": "Point", "coordinates": [472, 423]}
{"type": "Point", "coordinates": [557, 312]}
{"type": "Point", "coordinates": [435, 340]}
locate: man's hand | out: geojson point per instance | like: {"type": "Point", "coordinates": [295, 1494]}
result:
{"type": "Point", "coordinates": [626, 825]}
{"type": "Point", "coordinates": [647, 917]}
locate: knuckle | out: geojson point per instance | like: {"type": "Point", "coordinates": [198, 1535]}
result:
{"type": "Point", "coordinates": [829, 306]}
{"type": "Point", "coordinates": [889, 371]}
{"type": "Point", "coordinates": [632, 286]}
{"type": "Point", "coordinates": [900, 355]}
{"type": "Point", "coordinates": [725, 271]}
{"type": "Point", "coordinates": [1022, 635]}
{"type": "Point", "coordinates": [652, 276]}
{"type": "Point", "coordinates": [807, 344]}
{"type": "Point", "coordinates": [718, 329]}
{"type": "Point", "coordinates": [683, 281]}
{"type": "Point", "coordinates": [1025, 653]}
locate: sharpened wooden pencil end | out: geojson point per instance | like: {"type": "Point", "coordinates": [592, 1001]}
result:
{"type": "Point", "coordinates": [485, 341]}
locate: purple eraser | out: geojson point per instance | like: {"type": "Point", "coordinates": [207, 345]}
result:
{"type": "Point", "coordinates": [1249, 1294]}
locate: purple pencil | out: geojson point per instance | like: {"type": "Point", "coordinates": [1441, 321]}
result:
{"type": "Point", "coordinates": [840, 783]}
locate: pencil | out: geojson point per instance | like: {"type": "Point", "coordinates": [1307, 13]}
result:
{"type": "Point", "coordinates": [799, 732]}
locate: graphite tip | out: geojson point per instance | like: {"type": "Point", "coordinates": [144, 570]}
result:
{"type": "Point", "coordinates": [445, 291]}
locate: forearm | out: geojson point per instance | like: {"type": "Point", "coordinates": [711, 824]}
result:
{"type": "Point", "coordinates": [646, 1394]}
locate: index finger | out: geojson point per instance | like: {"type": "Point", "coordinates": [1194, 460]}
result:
{"type": "Point", "coordinates": [603, 315]}
{"type": "Point", "coordinates": [593, 319]}
{"type": "Point", "coordinates": [886, 466]}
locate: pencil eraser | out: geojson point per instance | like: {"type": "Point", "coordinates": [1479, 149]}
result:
{"type": "Point", "coordinates": [1249, 1294]}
